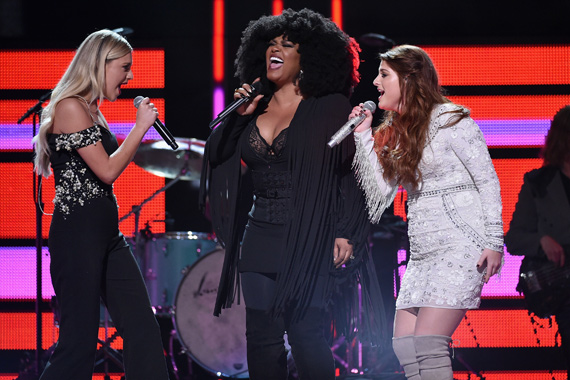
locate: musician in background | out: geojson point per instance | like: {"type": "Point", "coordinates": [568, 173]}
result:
{"type": "Point", "coordinates": [540, 228]}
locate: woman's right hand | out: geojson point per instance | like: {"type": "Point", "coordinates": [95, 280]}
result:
{"type": "Point", "coordinates": [366, 123]}
{"type": "Point", "coordinates": [248, 107]}
{"type": "Point", "coordinates": [146, 114]}
{"type": "Point", "coordinates": [553, 250]}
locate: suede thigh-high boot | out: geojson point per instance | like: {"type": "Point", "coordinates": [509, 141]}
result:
{"type": "Point", "coordinates": [312, 354]}
{"type": "Point", "coordinates": [405, 350]}
{"type": "Point", "coordinates": [266, 353]}
{"type": "Point", "coordinates": [433, 357]}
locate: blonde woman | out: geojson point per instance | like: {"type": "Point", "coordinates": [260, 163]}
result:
{"type": "Point", "coordinates": [434, 150]}
{"type": "Point", "coordinates": [90, 259]}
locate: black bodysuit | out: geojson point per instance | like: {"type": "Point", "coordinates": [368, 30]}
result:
{"type": "Point", "coordinates": [261, 246]}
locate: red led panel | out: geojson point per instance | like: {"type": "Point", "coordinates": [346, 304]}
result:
{"type": "Point", "coordinates": [501, 65]}
{"type": "Point", "coordinates": [512, 107]}
{"type": "Point", "coordinates": [19, 332]}
{"type": "Point", "coordinates": [485, 328]}
{"type": "Point", "coordinates": [400, 203]}
{"type": "Point", "coordinates": [42, 69]}
{"type": "Point", "coordinates": [17, 210]}
{"type": "Point", "coordinates": [121, 110]}
{"type": "Point", "coordinates": [511, 172]}
{"type": "Point", "coordinates": [512, 375]}
{"type": "Point", "coordinates": [277, 7]}
{"type": "Point", "coordinates": [336, 12]}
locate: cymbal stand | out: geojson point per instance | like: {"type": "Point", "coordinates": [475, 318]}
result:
{"type": "Point", "coordinates": [106, 351]}
{"type": "Point", "coordinates": [136, 209]}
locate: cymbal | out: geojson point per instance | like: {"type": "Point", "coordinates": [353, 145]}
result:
{"type": "Point", "coordinates": [156, 157]}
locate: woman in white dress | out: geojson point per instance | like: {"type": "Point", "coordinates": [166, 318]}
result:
{"type": "Point", "coordinates": [434, 150]}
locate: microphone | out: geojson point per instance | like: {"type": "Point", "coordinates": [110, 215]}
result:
{"type": "Point", "coordinates": [255, 89]}
{"type": "Point", "coordinates": [126, 31]}
{"type": "Point", "coordinates": [351, 125]}
{"type": "Point", "coordinates": [159, 127]}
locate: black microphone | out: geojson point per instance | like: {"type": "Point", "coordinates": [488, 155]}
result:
{"type": "Point", "coordinates": [351, 125]}
{"type": "Point", "coordinates": [255, 89]}
{"type": "Point", "coordinates": [160, 128]}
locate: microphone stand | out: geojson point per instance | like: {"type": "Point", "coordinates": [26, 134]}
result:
{"type": "Point", "coordinates": [39, 243]}
{"type": "Point", "coordinates": [36, 110]}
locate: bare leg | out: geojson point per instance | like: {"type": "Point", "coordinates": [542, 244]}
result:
{"type": "Point", "coordinates": [438, 321]}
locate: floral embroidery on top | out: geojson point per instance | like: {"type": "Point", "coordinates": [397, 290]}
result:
{"type": "Point", "coordinates": [72, 141]}
{"type": "Point", "coordinates": [75, 183]}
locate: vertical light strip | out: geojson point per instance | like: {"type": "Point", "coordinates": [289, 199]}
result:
{"type": "Point", "coordinates": [218, 57]}
{"type": "Point", "coordinates": [218, 102]}
{"type": "Point", "coordinates": [277, 7]}
{"type": "Point", "coordinates": [218, 43]}
{"type": "Point", "coordinates": [336, 12]}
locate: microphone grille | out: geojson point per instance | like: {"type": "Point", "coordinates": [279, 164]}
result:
{"type": "Point", "coordinates": [370, 106]}
{"type": "Point", "coordinates": [138, 100]}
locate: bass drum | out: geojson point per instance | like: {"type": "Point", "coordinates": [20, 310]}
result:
{"type": "Point", "coordinates": [216, 343]}
{"type": "Point", "coordinates": [164, 259]}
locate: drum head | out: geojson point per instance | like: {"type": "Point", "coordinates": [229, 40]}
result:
{"type": "Point", "coordinates": [216, 343]}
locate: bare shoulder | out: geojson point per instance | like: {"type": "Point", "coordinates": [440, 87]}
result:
{"type": "Point", "coordinates": [71, 116]}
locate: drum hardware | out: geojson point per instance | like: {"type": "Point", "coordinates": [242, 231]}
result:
{"type": "Point", "coordinates": [106, 352]}
{"type": "Point", "coordinates": [216, 344]}
{"type": "Point", "coordinates": [156, 157]}
{"type": "Point", "coordinates": [159, 159]}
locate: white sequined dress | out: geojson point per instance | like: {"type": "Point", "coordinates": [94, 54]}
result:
{"type": "Point", "coordinates": [454, 215]}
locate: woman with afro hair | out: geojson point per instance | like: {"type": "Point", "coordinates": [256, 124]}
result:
{"type": "Point", "coordinates": [305, 234]}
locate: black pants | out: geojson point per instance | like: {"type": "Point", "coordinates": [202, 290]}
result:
{"type": "Point", "coordinates": [84, 270]}
{"type": "Point", "coordinates": [266, 353]}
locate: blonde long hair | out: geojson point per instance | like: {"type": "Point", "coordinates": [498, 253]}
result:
{"type": "Point", "coordinates": [84, 77]}
{"type": "Point", "coordinates": [401, 138]}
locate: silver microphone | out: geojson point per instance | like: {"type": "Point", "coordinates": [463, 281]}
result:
{"type": "Point", "coordinates": [350, 125]}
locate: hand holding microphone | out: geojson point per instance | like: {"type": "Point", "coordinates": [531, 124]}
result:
{"type": "Point", "coordinates": [159, 127]}
{"type": "Point", "coordinates": [243, 95]}
{"type": "Point", "coordinates": [351, 124]}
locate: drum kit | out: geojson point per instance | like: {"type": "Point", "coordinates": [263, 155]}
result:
{"type": "Point", "coordinates": [182, 269]}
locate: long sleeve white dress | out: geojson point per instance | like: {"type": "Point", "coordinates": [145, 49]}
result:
{"type": "Point", "coordinates": [454, 215]}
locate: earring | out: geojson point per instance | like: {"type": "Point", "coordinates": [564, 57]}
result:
{"type": "Point", "coordinates": [300, 76]}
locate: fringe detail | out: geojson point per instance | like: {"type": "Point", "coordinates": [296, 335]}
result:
{"type": "Point", "coordinates": [376, 200]}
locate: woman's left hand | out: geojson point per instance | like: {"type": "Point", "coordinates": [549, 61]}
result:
{"type": "Point", "coordinates": [492, 260]}
{"type": "Point", "coordinates": [342, 252]}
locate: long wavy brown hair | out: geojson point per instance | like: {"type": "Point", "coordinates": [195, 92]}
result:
{"type": "Point", "coordinates": [556, 149]}
{"type": "Point", "coordinates": [401, 137]}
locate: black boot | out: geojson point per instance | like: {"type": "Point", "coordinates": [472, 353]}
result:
{"type": "Point", "coordinates": [266, 354]}
{"type": "Point", "coordinates": [311, 351]}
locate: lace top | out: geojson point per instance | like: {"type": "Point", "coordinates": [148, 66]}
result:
{"type": "Point", "coordinates": [75, 183]}
{"type": "Point", "coordinates": [270, 175]}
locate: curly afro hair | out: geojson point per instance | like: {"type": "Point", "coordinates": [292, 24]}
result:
{"type": "Point", "coordinates": [329, 57]}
